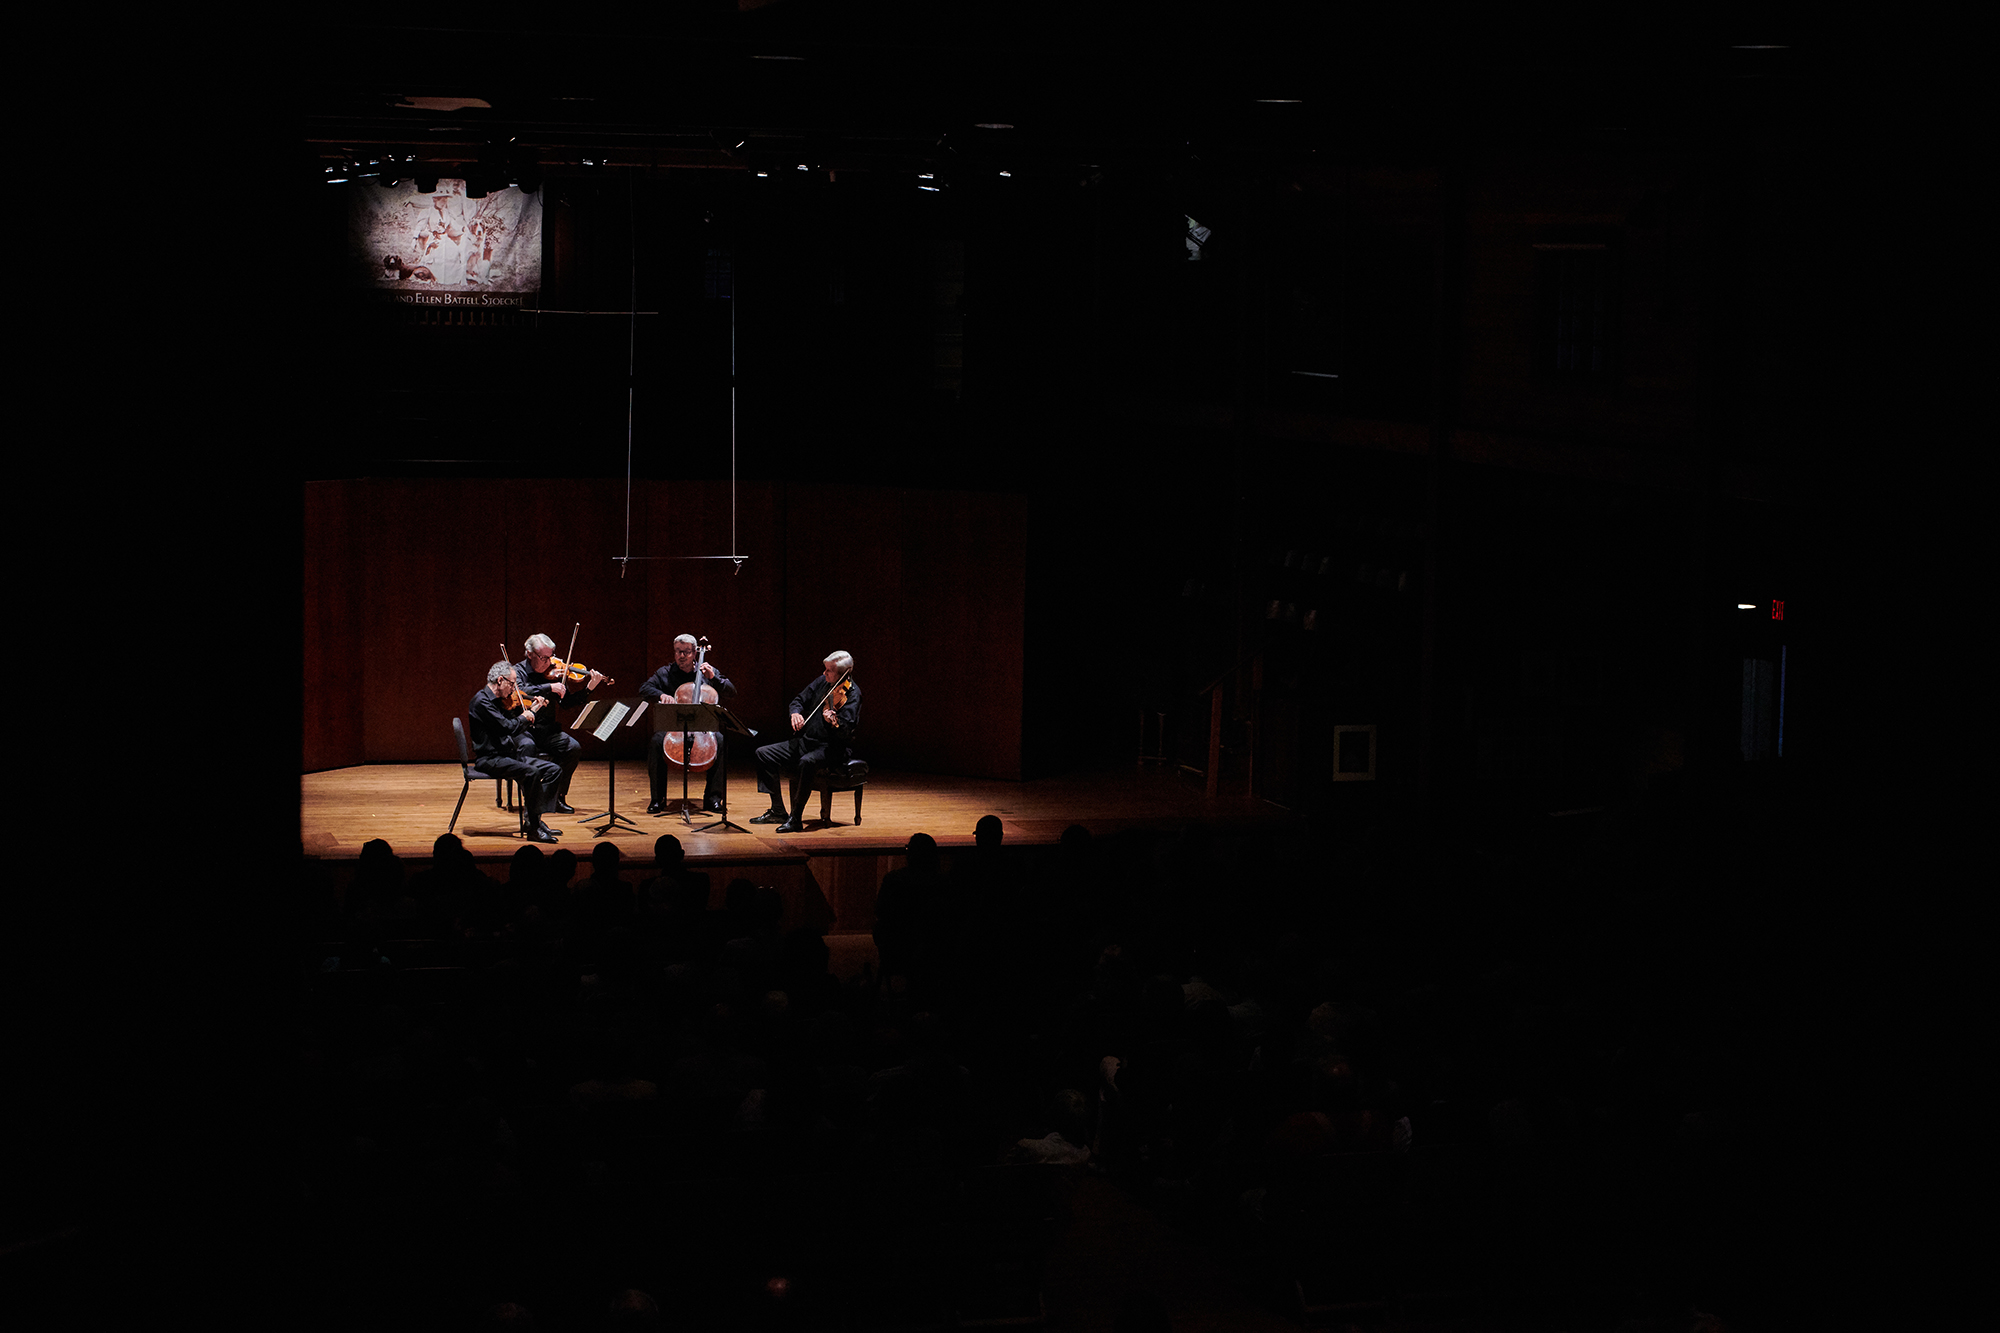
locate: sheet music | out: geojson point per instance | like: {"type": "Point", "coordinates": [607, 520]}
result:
{"type": "Point", "coordinates": [577, 725]}
{"type": "Point", "coordinates": [612, 717]}
{"type": "Point", "coordinates": [638, 712]}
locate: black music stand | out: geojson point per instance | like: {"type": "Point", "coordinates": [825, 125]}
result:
{"type": "Point", "coordinates": [688, 719]}
{"type": "Point", "coordinates": [606, 718]}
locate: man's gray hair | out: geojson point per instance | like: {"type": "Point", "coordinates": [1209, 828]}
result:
{"type": "Point", "coordinates": [687, 639]}
{"type": "Point", "coordinates": [845, 661]}
{"type": "Point", "coordinates": [497, 670]}
{"type": "Point", "coordinates": [536, 641]}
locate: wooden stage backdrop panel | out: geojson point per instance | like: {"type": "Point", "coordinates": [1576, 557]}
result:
{"type": "Point", "coordinates": [844, 560]}
{"type": "Point", "coordinates": [335, 542]}
{"type": "Point", "coordinates": [412, 585]}
{"type": "Point", "coordinates": [928, 591]}
{"type": "Point", "coordinates": [740, 611]}
{"type": "Point", "coordinates": [561, 542]}
{"type": "Point", "coordinates": [964, 598]}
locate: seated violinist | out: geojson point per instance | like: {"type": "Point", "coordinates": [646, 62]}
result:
{"type": "Point", "coordinates": [543, 676]}
{"type": "Point", "coordinates": [826, 715]}
{"type": "Point", "coordinates": [665, 681]}
{"type": "Point", "coordinates": [501, 722]}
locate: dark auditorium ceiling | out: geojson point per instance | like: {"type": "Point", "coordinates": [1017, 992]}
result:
{"type": "Point", "coordinates": [857, 86]}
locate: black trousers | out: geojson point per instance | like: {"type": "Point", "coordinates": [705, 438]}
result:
{"type": "Point", "coordinates": [667, 777]}
{"type": "Point", "coordinates": [535, 777]}
{"type": "Point", "coordinates": [808, 755]}
{"type": "Point", "coordinates": [559, 748]}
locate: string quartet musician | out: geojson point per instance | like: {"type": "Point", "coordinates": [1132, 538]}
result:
{"type": "Point", "coordinates": [539, 678]}
{"type": "Point", "coordinates": [662, 686]}
{"type": "Point", "coordinates": [820, 736]}
{"type": "Point", "coordinates": [502, 721]}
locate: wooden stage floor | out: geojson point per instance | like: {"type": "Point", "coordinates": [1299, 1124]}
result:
{"type": "Point", "coordinates": [827, 875]}
{"type": "Point", "coordinates": [409, 805]}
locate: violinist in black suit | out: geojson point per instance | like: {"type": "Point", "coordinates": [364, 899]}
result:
{"type": "Point", "coordinates": [823, 732]}
{"type": "Point", "coordinates": [541, 676]}
{"type": "Point", "coordinates": [502, 722]}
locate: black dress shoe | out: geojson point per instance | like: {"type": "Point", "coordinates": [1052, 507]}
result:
{"type": "Point", "coordinates": [658, 807]}
{"type": "Point", "coordinates": [560, 808]}
{"type": "Point", "coordinates": [551, 832]}
{"type": "Point", "coordinates": [790, 826]}
{"type": "Point", "coordinates": [713, 805]}
{"type": "Point", "coordinates": [540, 835]}
{"type": "Point", "coordinates": [770, 817]}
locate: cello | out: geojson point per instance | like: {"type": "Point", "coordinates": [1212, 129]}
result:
{"type": "Point", "coordinates": [694, 750]}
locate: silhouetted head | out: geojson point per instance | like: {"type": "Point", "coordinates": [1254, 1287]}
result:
{"type": "Point", "coordinates": [987, 833]}
{"type": "Point", "coordinates": [604, 858]}
{"type": "Point", "coordinates": [526, 866]}
{"type": "Point", "coordinates": [923, 852]}
{"type": "Point", "coordinates": [562, 865]}
{"type": "Point", "coordinates": [668, 852]}
{"type": "Point", "coordinates": [634, 1309]}
{"type": "Point", "coordinates": [509, 1315]}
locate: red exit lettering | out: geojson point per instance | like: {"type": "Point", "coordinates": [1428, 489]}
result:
{"type": "Point", "coordinates": [1777, 610]}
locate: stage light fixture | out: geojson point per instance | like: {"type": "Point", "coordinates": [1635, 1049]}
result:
{"type": "Point", "coordinates": [425, 184]}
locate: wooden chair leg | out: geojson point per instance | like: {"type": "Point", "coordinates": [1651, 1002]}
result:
{"type": "Point", "coordinates": [857, 807]}
{"type": "Point", "coordinates": [826, 805]}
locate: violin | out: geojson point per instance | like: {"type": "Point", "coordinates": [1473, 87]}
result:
{"type": "Point", "coordinates": [694, 750]}
{"type": "Point", "coordinates": [836, 698]}
{"type": "Point", "coordinates": [558, 669]}
{"type": "Point", "coordinates": [832, 702]}
{"type": "Point", "coordinates": [517, 700]}
{"type": "Point", "coordinates": [574, 671]}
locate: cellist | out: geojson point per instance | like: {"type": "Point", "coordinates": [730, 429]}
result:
{"type": "Point", "coordinates": [662, 686]}
{"type": "Point", "coordinates": [822, 732]}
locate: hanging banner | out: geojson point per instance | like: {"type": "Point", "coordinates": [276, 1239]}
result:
{"type": "Point", "coordinates": [443, 249]}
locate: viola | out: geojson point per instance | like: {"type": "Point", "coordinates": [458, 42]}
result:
{"type": "Point", "coordinates": [694, 750]}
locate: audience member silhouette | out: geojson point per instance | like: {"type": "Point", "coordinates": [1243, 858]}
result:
{"type": "Point", "coordinates": [913, 923]}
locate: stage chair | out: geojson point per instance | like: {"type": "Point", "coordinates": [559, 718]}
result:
{"type": "Point", "coordinates": [473, 771]}
{"type": "Point", "coordinates": [852, 776]}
